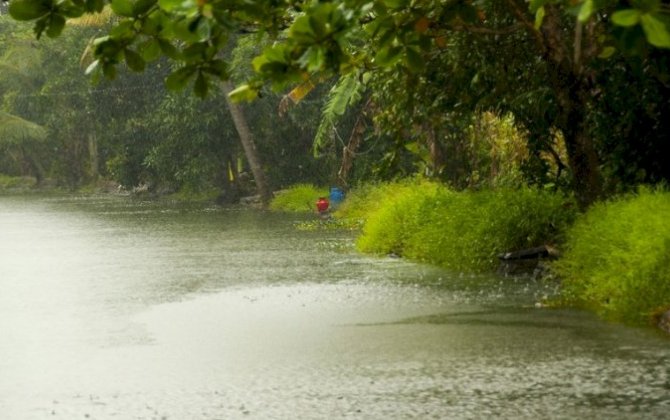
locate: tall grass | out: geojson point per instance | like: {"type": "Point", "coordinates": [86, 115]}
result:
{"type": "Point", "coordinates": [460, 230]}
{"type": "Point", "coordinates": [395, 216]}
{"type": "Point", "coordinates": [298, 198]}
{"type": "Point", "coordinates": [617, 260]}
{"type": "Point", "coordinates": [366, 199]}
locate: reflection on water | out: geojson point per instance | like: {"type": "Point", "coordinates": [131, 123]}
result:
{"type": "Point", "coordinates": [111, 308]}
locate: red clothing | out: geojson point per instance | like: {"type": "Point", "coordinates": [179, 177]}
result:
{"type": "Point", "coordinates": [322, 204]}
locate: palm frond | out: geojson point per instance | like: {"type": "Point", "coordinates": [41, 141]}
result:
{"type": "Point", "coordinates": [15, 130]}
{"type": "Point", "coordinates": [346, 93]}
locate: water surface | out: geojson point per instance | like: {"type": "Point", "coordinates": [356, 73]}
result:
{"type": "Point", "coordinates": [118, 309]}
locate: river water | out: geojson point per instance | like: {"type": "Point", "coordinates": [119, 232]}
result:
{"type": "Point", "coordinates": [119, 309]}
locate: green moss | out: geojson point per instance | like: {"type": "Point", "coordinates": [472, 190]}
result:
{"type": "Point", "coordinates": [617, 260]}
{"type": "Point", "coordinates": [298, 198]}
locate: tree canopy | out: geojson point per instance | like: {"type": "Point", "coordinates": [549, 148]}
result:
{"type": "Point", "coordinates": [327, 36]}
{"type": "Point", "coordinates": [560, 67]}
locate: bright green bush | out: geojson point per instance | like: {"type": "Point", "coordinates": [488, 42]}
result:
{"type": "Point", "coordinates": [364, 200]}
{"type": "Point", "coordinates": [298, 198]}
{"type": "Point", "coordinates": [463, 230]}
{"type": "Point", "coordinates": [395, 216]}
{"type": "Point", "coordinates": [467, 231]}
{"type": "Point", "coordinates": [617, 259]}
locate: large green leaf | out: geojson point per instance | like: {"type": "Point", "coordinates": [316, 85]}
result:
{"type": "Point", "coordinates": [312, 59]}
{"type": "Point", "coordinates": [301, 31]}
{"type": "Point", "coordinates": [168, 49]}
{"type": "Point", "coordinates": [134, 61]}
{"type": "Point", "coordinates": [180, 78]}
{"type": "Point", "coordinates": [150, 49]}
{"type": "Point", "coordinates": [201, 85]}
{"type": "Point", "coordinates": [414, 60]}
{"type": "Point", "coordinates": [109, 70]}
{"type": "Point", "coordinates": [655, 30]}
{"type": "Point", "coordinates": [123, 7]}
{"type": "Point", "coordinates": [95, 5]}
{"type": "Point", "coordinates": [626, 17]}
{"type": "Point", "coordinates": [124, 29]}
{"type": "Point", "coordinates": [172, 5]}
{"type": "Point", "coordinates": [56, 25]}
{"type": "Point", "coordinates": [29, 9]}
{"type": "Point", "coordinates": [586, 10]}
{"type": "Point", "coordinates": [142, 6]}
{"type": "Point", "coordinates": [388, 56]}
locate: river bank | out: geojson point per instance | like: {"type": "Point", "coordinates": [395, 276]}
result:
{"type": "Point", "coordinates": [614, 258]}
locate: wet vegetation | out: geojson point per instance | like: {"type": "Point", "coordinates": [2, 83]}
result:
{"type": "Point", "coordinates": [617, 258]}
{"type": "Point", "coordinates": [464, 231]}
{"type": "Point", "coordinates": [298, 198]}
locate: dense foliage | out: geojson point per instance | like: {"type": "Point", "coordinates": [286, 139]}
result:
{"type": "Point", "coordinates": [617, 260]}
{"type": "Point", "coordinates": [56, 127]}
{"type": "Point", "coordinates": [615, 257]}
{"type": "Point", "coordinates": [458, 230]}
{"type": "Point", "coordinates": [560, 68]}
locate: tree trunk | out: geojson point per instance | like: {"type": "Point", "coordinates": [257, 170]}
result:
{"type": "Point", "coordinates": [570, 83]}
{"type": "Point", "coordinates": [582, 157]}
{"type": "Point", "coordinates": [93, 156]}
{"type": "Point", "coordinates": [34, 164]}
{"type": "Point", "coordinates": [246, 138]}
{"type": "Point", "coordinates": [349, 151]}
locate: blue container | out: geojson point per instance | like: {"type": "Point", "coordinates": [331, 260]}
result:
{"type": "Point", "coordinates": [336, 196]}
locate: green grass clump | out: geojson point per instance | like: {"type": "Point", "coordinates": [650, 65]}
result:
{"type": "Point", "coordinates": [366, 199]}
{"type": "Point", "coordinates": [464, 230]}
{"type": "Point", "coordinates": [16, 182]}
{"type": "Point", "coordinates": [395, 216]}
{"type": "Point", "coordinates": [298, 198]}
{"type": "Point", "coordinates": [617, 260]}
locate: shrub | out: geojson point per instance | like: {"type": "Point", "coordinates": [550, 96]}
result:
{"type": "Point", "coordinates": [617, 259]}
{"type": "Point", "coordinates": [467, 231]}
{"type": "Point", "coordinates": [298, 198]}
{"type": "Point", "coordinates": [463, 230]}
{"type": "Point", "coordinates": [364, 200]}
{"type": "Point", "coordinates": [395, 216]}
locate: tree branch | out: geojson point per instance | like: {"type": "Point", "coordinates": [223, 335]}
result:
{"type": "Point", "coordinates": [522, 17]}
{"type": "Point", "coordinates": [483, 30]}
